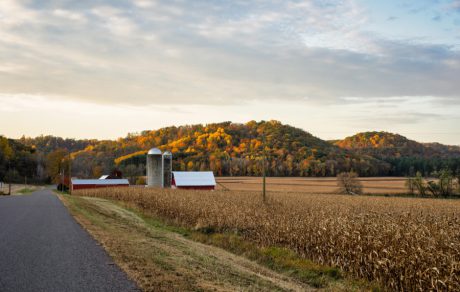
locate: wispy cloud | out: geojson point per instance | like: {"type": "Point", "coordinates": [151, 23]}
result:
{"type": "Point", "coordinates": [216, 53]}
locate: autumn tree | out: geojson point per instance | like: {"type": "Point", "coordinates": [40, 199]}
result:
{"type": "Point", "coordinates": [419, 183]}
{"type": "Point", "coordinates": [410, 185]}
{"type": "Point", "coordinates": [349, 184]}
{"type": "Point", "coordinates": [443, 186]}
{"type": "Point", "coordinates": [56, 162]}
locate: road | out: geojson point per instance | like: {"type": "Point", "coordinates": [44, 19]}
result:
{"type": "Point", "coordinates": [42, 248]}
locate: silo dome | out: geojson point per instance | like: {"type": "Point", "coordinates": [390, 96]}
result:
{"type": "Point", "coordinates": [154, 151]}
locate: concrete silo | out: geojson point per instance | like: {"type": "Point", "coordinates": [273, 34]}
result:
{"type": "Point", "coordinates": [154, 168]}
{"type": "Point", "coordinates": [167, 169]}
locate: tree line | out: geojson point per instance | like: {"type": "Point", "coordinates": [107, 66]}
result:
{"type": "Point", "coordinates": [228, 149]}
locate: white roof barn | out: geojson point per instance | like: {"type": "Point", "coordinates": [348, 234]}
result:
{"type": "Point", "coordinates": [78, 184]}
{"type": "Point", "coordinates": [76, 181]}
{"type": "Point", "coordinates": [193, 180]}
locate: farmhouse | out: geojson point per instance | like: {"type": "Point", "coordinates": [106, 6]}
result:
{"type": "Point", "coordinates": [79, 184]}
{"type": "Point", "coordinates": [193, 180]}
{"type": "Point", "coordinates": [116, 174]}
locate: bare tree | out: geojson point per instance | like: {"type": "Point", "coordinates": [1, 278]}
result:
{"type": "Point", "coordinates": [457, 178]}
{"type": "Point", "coordinates": [410, 184]}
{"type": "Point", "coordinates": [443, 186]}
{"type": "Point", "coordinates": [419, 183]}
{"type": "Point", "coordinates": [349, 184]}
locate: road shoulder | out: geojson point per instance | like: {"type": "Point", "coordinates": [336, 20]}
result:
{"type": "Point", "coordinates": [159, 259]}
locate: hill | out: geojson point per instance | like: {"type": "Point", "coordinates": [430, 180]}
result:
{"type": "Point", "coordinates": [233, 149]}
{"type": "Point", "coordinates": [405, 155]}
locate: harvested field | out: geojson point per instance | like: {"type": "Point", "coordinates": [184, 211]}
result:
{"type": "Point", "coordinates": [328, 185]}
{"type": "Point", "coordinates": [405, 244]}
{"type": "Point", "coordinates": [160, 260]}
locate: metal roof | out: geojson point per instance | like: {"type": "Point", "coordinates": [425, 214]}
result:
{"type": "Point", "coordinates": [194, 178]}
{"type": "Point", "coordinates": [100, 181]}
{"type": "Point", "coordinates": [154, 151]}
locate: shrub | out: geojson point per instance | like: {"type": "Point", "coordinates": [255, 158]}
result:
{"type": "Point", "coordinates": [419, 184]}
{"type": "Point", "coordinates": [349, 184]}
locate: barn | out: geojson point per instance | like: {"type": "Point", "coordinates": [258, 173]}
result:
{"type": "Point", "coordinates": [116, 174]}
{"type": "Point", "coordinates": [193, 180]}
{"type": "Point", "coordinates": [79, 184]}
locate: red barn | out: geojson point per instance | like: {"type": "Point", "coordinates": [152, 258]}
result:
{"type": "Point", "coordinates": [193, 180]}
{"type": "Point", "coordinates": [79, 184]}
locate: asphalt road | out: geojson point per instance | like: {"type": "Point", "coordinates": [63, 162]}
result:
{"type": "Point", "coordinates": [42, 248]}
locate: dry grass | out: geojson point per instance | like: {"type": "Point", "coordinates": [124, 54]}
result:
{"type": "Point", "coordinates": [18, 189]}
{"type": "Point", "coordinates": [158, 259]}
{"type": "Point", "coordinates": [405, 244]}
{"type": "Point", "coordinates": [328, 185]}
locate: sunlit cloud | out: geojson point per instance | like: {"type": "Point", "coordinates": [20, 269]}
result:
{"type": "Point", "coordinates": [132, 58]}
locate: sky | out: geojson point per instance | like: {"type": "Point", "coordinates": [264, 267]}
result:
{"type": "Point", "coordinates": [105, 68]}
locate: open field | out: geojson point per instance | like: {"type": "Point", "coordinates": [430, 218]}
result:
{"type": "Point", "coordinates": [402, 243]}
{"type": "Point", "coordinates": [312, 185]}
{"type": "Point", "coordinates": [17, 189]}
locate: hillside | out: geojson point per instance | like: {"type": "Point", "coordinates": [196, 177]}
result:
{"type": "Point", "coordinates": [384, 144]}
{"type": "Point", "coordinates": [232, 149]}
{"type": "Point", "coordinates": [405, 155]}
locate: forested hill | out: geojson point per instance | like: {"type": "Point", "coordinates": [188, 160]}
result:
{"type": "Point", "coordinates": [406, 156]}
{"type": "Point", "coordinates": [235, 149]}
{"type": "Point", "coordinates": [389, 145]}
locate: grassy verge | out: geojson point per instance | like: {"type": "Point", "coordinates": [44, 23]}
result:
{"type": "Point", "coordinates": [25, 191]}
{"type": "Point", "coordinates": [158, 259]}
{"type": "Point", "coordinates": [161, 256]}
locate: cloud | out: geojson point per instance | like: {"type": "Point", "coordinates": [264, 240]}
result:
{"type": "Point", "coordinates": [213, 53]}
{"type": "Point", "coordinates": [455, 5]}
{"type": "Point", "coordinates": [69, 15]}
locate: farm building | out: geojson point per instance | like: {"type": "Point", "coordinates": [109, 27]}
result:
{"type": "Point", "coordinates": [79, 184]}
{"type": "Point", "coordinates": [193, 180]}
{"type": "Point", "coordinates": [116, 174]}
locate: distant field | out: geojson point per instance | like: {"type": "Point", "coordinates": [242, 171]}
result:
{"type": "Point", "coordinates": [372, 185]}
{"type": "Point", "coordinates": [17, 188]}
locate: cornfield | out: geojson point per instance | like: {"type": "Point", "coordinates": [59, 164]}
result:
{"type": "Point", "coordinates": [403, 243]}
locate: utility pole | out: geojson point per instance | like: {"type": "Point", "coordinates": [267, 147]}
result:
{"type": "Point", "coordinates": [264, 198]}
{"type": "Point", "coordinates": [70, 174]}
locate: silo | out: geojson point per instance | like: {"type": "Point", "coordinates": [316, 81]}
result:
{"type": "Point", "coordinates": [154, 168]}
{"type": "Point", "coordinates": [167, 169]}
